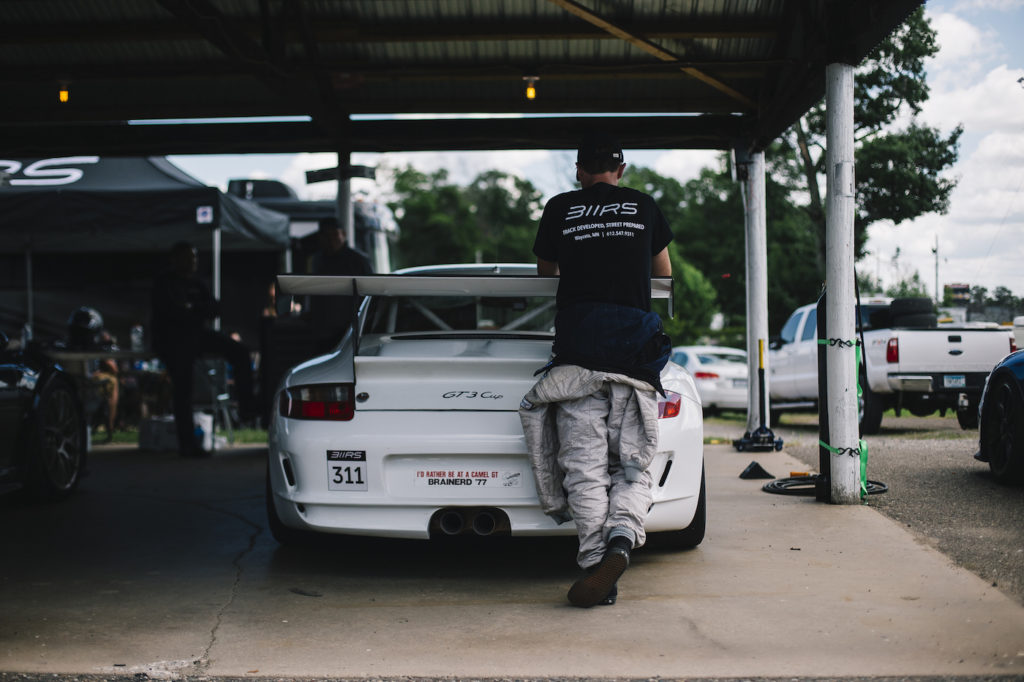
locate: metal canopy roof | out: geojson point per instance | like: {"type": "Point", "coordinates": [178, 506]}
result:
{"type": "Point", "coordinates": [713, 73]}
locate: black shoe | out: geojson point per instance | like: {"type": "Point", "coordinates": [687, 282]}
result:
{"type": "Point", "coordinates": [610, 597]}
{"type": "Point", "coordinates": [594, 588]}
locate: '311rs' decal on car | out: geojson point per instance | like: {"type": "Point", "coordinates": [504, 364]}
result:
{"type": "Point", "coordinates": [346, 470]}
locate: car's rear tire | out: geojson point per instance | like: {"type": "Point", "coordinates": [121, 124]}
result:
{"type": "Point", "coordinates": [57, 456]}
{"type": "Point", "coordinates": [692, 535]}
{"type": "Point", "coordinates": [1003, 435]}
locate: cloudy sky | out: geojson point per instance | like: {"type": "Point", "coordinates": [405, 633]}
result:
{"type": "Point", "coordinates": [977, 80]}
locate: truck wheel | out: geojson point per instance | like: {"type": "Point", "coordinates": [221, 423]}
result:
{"type": "Point", "coordinates": [968, 419]}
{"type": "Point", "coordinates": [871, 410]}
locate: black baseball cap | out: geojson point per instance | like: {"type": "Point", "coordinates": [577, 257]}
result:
{"type": "Point", "coordinates": [600, 148]}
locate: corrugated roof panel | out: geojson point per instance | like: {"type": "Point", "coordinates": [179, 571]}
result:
{"type": "Point", "coordinates": [758, 59]}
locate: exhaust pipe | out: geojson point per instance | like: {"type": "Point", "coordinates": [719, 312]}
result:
{"type": "Point", "coordinates": [451, 522]}
{"type": "Point", "coordinates": [484, 523]}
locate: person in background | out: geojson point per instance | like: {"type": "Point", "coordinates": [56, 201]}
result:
{"type": "Point", "coordinates": [108, 378]}
{"type": "Point", "coordinates": [182, 311]}
{"type": "Point", "coordinates": [591, 421]}
{"type": "Point", "coordinates": [102, 376]}
{"type": "Point", "coordinates": [331, 316]}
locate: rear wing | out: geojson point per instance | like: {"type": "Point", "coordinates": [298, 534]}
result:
{"type": "Point", "coordinates": [439, 285]}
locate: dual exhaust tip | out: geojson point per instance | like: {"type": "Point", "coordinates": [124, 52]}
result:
{"type": "Point", "coordinates": [481, 521]}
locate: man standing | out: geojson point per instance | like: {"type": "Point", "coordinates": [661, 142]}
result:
{"type": "Point", "coordinates": [591, 420]}
{"type": "Point", "coordinates": [182, 308]}
{"type": "Point", "coordinates": [331, 316]}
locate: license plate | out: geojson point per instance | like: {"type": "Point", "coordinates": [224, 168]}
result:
{"type": "Point", "coordinates": [468, 478]}
{"type": "Point", "coordinates": [739, 383]}
{"type": "Point", "coordinates": [954, 381]}
{"type": "Point", "coordinates": [346, 470]}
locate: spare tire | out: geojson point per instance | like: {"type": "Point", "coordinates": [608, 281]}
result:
{"type": "Point", "coordinates": [880, 319]}
{"type": "Point", "coordinates": [911, 306]}
{"type": "Point", "coordinates": [916, 320]}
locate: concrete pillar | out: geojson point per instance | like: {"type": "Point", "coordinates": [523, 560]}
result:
{"type": "Point", "coordinates": [216, 270]}
{"type": "Point", "coordinates": [756, 229]}
{"type": "Point", "coordinates": [840, 296]}
{"type": "Point", "coordinates": [346, 214]}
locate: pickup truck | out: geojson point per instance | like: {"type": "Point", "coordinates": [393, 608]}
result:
{"type": "Point", "coordinates": [910, 362]}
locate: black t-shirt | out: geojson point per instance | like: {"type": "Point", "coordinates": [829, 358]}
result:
{"type": "Point", "coordinates": [603, 239]}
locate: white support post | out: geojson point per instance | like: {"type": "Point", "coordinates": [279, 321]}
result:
{"type": "Point", "coordinates": [756, 227]}
{"type": "Point", "coordinates": [346, 214]}
{"type": "Point", "coordinates": [216, 271]}
{"type": "Point", "coordinates": [839, 294]}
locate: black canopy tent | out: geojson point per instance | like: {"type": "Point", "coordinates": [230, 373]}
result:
{"type": "Point", "coordinates": [87, 205]}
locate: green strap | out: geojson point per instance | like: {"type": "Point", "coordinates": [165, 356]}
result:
{"type": "Point", "coordinates": [862, 451]}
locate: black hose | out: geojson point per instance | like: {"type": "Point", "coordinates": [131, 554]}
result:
{"type": "Point", "coordinates": [805, 485]}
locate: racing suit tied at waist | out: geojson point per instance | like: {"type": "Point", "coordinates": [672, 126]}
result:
{"type": "Point", "coordinates": [632, 427]}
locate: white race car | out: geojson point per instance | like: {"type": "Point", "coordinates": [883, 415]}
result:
{"type": "Point", "coordinates": [410, 428]}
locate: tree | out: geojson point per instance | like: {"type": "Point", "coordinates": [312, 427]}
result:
{"type": "Point", "coordinates": [493, 219]}
{"type": "Point", "coordinates": [979, 298]}
{"type": "Point", "coordinates": [435, 219]}
{"type": "Point", "coordinates": [868, 284]}
{"type": "Point", "coordinates": [507, 209]}
{"type": "Point", "coordinates": [706, 217]}
{"type": "Point", "coordinates": [1004, 298]}
{"type": "Point", "coordinates": [899, 170]}
{"type": "Point", "coordinates": [910, 287]}
{"type": "Point", "coordinates": [694, 301]}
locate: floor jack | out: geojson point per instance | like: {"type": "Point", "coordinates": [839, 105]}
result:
{"type": "Point", "coordinates": [762, 438]}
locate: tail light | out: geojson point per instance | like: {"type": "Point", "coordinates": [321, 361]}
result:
{"type": "Point", "coordinates": [1013, 344]}
{"type": "Point", "coordinates": [892, 350]}
{"type": "Point", "coordinates": [670, 405]}
{"type": "Point", "coordinates": [324, 402]}
{"type": "Point", "coordinates": [705, 375]}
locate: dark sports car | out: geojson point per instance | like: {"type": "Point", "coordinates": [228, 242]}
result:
{"type": "Point", "coordinates": [42, 427]}
{"type": "Point", "coordinates": [1002, 420]}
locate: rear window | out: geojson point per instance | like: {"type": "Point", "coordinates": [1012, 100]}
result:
{"type": "Point", "coordinates": [400, 314]}
{"type": "Point", "coordinates": [722, 358]}
{"type": "Point", "coordinates": [788, 333]}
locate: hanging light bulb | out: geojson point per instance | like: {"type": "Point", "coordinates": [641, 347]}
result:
{"type": "Point", "coordinates": [62, 92]}
{"type": "Point", "coordinates": [531, 86]}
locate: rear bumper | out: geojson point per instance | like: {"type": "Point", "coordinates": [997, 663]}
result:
{"type": "Point", "coordinates": [952, 383]}
{"type": "Point", "coordinates": [398, 499]}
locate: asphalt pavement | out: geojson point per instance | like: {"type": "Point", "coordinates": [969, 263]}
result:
{"type": "Point", "coordinates": [162, 567]}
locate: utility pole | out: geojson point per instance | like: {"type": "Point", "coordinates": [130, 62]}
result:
{"type": "Point", "coordinates": [935, 250]}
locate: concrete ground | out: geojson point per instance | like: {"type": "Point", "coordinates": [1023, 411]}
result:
{"type": "Point", "coordinates": [163, 567]}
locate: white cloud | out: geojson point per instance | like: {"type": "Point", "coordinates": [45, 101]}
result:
{"type": "Point", "coordinates": [971, 84]}
{"type": "Point", "coordinates": [685, 164]}
{"type": "Point", "coordinates": [993, 102]}
{"type": "Point", "coordinates": [996, 5]}
{"type": "Point", "coordinates": [962, 47]}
